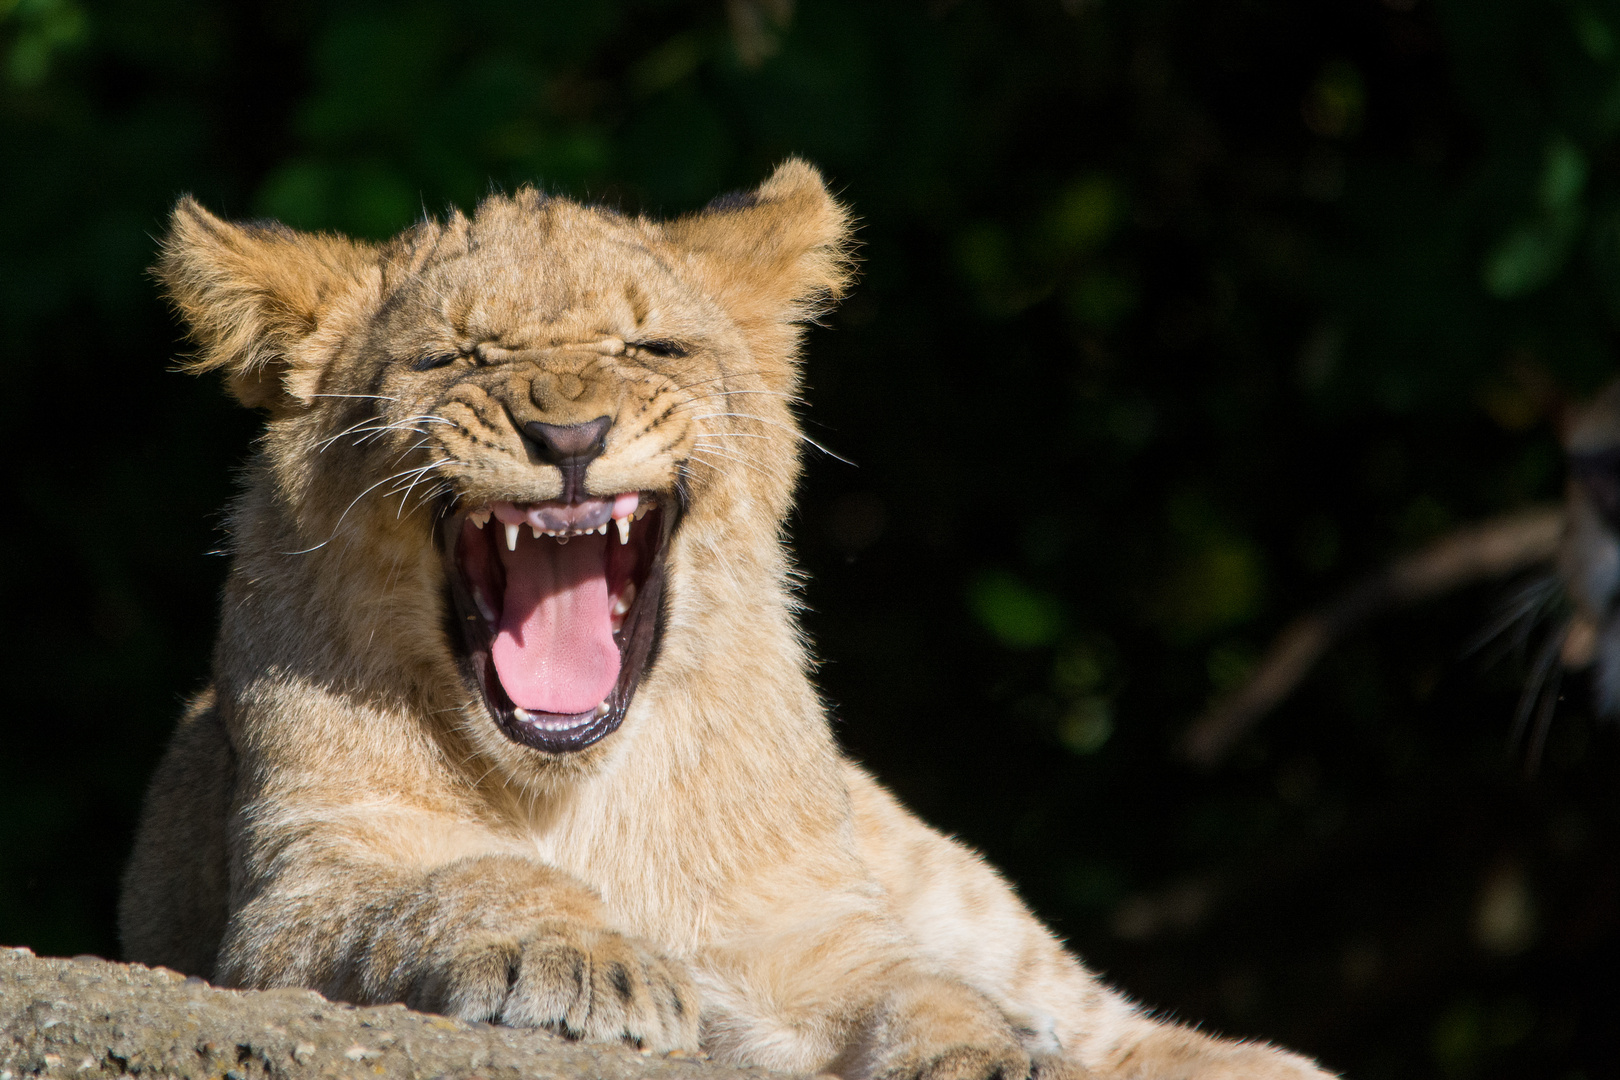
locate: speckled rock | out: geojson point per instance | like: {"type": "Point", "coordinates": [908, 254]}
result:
{"type": "Point", "coordinates": [89, 1018]}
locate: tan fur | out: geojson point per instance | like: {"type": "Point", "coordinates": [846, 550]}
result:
{"type": "Point", "coordinates": [341, 812]}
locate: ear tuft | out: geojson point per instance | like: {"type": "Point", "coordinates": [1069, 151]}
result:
{"type": "Point", "coordinates": [777, 255]}
{"type": "Point", "coordinates": [254, 295]}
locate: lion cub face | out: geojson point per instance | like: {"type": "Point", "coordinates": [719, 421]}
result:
{"type": "Point", "coordinates": [534, 401]}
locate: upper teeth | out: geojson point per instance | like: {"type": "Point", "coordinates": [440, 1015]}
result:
{"type": "Point", "coordinates": [627, 509]}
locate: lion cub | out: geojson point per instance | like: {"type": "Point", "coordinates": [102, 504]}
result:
{"type": "Point", "coordinates": [510, 717]}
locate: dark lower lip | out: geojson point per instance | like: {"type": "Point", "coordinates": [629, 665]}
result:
{"type": "Point", "coordinates": [637, 640]}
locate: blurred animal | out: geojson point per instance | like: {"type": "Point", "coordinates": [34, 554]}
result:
{"type": "Point", "coordinates": [1577, 545]}
{"type": "Point", "coordinates": [1588, 561]}
{"type": "Point", "coordinates": [510, 717]}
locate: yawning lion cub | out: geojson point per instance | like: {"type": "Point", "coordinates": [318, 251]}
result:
{"type": "Point", "coordinates": [510, 717]}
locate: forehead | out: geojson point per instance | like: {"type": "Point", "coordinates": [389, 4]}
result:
{"type": "Point", "coordinates": [522, 263]}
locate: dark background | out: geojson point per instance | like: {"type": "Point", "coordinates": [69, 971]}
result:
{"type": "Point", "coordinates": [1175, 317]}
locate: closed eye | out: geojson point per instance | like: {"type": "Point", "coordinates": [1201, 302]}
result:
{"type": "Point", "coordinates": [665, 348]}
{"type": "Point", "coordinates": [435, 360]}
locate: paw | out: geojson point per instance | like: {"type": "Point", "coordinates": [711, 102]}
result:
{"type": "Point", "coordinates": [938, 1029]}
{"type": "Point", "coordinates": [1180, 1054]}
{"type": "Point", "coordinates": [578, 981]}
{"type": "Point", "coordinates": [1037, 1034]}
{"type": "Point", "coordinates": [1058, 1067]}
{"type": "Point", "coordinates": [962, 1062]}
{"type": "Point", "coordinates": [1252, 1061]}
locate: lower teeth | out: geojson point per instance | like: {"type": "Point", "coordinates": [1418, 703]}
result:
{"type": "Point", "coordinates": [601, 710]}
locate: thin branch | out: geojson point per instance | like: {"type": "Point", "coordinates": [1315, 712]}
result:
{"type": "Point", "coordinates": [1489, 549]}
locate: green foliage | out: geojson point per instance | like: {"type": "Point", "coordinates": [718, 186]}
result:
{"type": "Point", "coordinates": [1018, 616]}
{"type": "Point", "coordinates": [41, 29]}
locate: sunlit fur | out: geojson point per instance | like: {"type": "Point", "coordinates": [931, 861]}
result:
{"type": "Point", "coordinates": [339, 811]}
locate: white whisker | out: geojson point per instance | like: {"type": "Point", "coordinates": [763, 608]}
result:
{"type": "Point", "coordinates": [339, 523]}
{"type": "Point", "coordinates": [699, 455]}
{"type": "Point", "coordinates": [785, 427]}
{"type": "Point", "coordinates": [793, 398]}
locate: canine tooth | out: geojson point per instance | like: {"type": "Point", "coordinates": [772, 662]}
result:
{"type": "Point", "coordinates": [522, 713]}
{"type": "Point", "coordinates": [624, 529]}
{"type": "Point", "coordinates": [511, 538]}
{"type": "Point", "coordinates": [601, 709]}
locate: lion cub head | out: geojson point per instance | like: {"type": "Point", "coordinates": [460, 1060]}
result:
{"type": "Point", "coordinates": [487, 434]}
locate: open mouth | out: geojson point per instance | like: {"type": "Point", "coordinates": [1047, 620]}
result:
{"type": "Point", "coordinates": [558, 605]}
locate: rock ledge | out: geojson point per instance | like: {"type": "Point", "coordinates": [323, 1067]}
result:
{"type": "Point", "coordinates": [89, 1018]}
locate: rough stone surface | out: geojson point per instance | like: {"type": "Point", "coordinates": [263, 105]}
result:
{"type": "Point", "coordinates": [89, 1018]}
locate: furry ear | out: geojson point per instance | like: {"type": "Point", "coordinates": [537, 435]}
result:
{"type": "Point", "coordinates": [265, 304]}
{"type": "Point", "coordinates": [775, 256]}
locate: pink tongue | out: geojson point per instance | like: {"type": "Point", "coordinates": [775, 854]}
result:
{"type": "Point", "coordinates": [555, 651]}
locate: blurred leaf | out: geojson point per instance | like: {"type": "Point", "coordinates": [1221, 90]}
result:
{"type": "Point", "coordinates": [1211, 588]}
{"type": "Point", "coordinates": [1334, 104]}
{"type": "Point", "coordinates": [1077, 669]}
{"type": "Point", "coordinates": [301, 194]}
{"type": "Point", "coordinates": [1593, 32]}
{"type": "Point", "coordinates": [366, 198]}
{"type": "Point", "coordinates": [1563, 178]}
{"type": "Point", "coordinates": [984, 255]}
{"type": "Point", "coordinates": [757, 27]}
{"type": "Point", "coordinates": [1018, 616]}
{"type": "Point", "coordinates": [42, 29]}
{"type": "Point", "coordinates": [1102, 299]}
{"type": "Point", "coordinates": [1458, 1042]}
{"type": "Point", "coordinates": [1083, 215]}
{"type": "Point", "coordinates": [668, 64]}
{"type": "Point", "coordinates": [1526, 258]}
{"type": "Point", "coordinates": [1086, 725]}
{"type": "Point", "coordinates": [1533, 252]}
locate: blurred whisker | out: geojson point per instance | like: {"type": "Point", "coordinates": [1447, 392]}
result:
{"type": "Point", "coordinates": [1541, 689]}
{"type": "Point", "coordinates": [1518, 612]}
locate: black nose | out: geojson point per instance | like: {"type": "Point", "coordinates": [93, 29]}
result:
{"type": "Point", "coordinates": [570, 447]}
{"type": "Point", "coordinates": [569, 444]}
